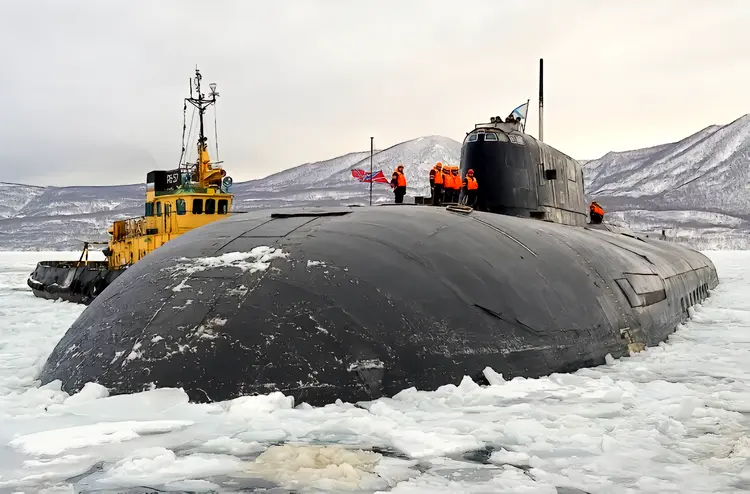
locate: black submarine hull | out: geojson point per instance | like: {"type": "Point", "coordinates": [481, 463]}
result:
{"type": "Point", "coordinates": [370, 301]}
{"type": "Point", "coordinates": [73, 281]}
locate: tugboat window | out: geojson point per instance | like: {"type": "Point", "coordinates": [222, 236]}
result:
{"type": "Point", "coordinates": [210, 206]}
{"type": "Point", "coordinates": [490, 137]}
{"type": "Point", "coordinates": [158, 209]}
{"type": "Point", "coordinates": [197, 206]}
{"type": "Point", "coordinates": [472, 138]}
{"type": "Point", "coordinates": [181, 206]}
{"type": "Point", "coordinates": [223, 206]}
{"type": "Point", "coordinates": [149, 209]}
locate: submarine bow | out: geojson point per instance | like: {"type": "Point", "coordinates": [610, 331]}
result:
{"type": "Point", "coordinates": [357, 303]}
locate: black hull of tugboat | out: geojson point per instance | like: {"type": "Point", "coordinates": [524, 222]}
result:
{"type": "Point", "coordinates": [72, 281]}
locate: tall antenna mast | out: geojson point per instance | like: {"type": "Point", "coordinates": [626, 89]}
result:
{"type": "Point", "coordinates": [541, 99]}
{"type": "Point", "coordinates": [201, 103]}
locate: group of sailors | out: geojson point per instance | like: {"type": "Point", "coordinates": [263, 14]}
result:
{"type": "Point", "coordinates": [445, 185]}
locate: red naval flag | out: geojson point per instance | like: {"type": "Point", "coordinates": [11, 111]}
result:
{"type": "Point", "coordinates": [376, 177]}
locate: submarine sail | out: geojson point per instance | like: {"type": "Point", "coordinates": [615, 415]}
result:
{"type": "Point", "coordinates": [521, 176]}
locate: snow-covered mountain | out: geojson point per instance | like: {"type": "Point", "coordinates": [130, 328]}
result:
{"type": "Point", "coordinates": [38, 218]}
{"type": "Point", "coordinates": [417, 156]}
{"type": "Point", "coordinates": [13, 197]}
{"type": "Point", "coordinates": [696, 189]}
{"type": "Point", "coordinates": [55, 201]}
{"type": "Point", "coordinates": [306, 175]}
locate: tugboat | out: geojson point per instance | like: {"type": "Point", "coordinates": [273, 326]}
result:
{"type": "Point", "coordinates": [177, 201]}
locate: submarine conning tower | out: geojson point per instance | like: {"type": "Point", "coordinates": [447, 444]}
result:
{"type": "Point", "coordinates": [519, 175]}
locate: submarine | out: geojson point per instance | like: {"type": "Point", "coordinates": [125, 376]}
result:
{"type": "Point", "coordinates": [361, 303]}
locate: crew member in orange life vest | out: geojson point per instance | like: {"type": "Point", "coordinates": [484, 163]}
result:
{"type": "Point", "coordinates": [436, 183]}
{"type": "Point", "coordinates": [470, 187]}
{"type": "Point", "coordinates": [447, 184]}
{"type": "Point", "coordinates": [456, 183]}
{"type": "Point", "coordinates": [596, 213]}
{"type": "Point", "coordinates": [398, 184]}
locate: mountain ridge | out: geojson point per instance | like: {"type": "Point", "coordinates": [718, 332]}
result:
{"type": "Point", "coordinates": [680, 186]}
{"type": "Point", "coordinates": [707, 170]}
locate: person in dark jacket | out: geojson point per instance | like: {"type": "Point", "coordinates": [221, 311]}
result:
{"type": "Point", "coordinates": [436, 183]}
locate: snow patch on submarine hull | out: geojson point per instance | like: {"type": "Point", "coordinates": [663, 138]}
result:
{"type": "Point", "coordinates": [361, 303]}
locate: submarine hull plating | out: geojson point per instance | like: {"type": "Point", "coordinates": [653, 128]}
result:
{"type": "Point", "coordinates": [367, 302]}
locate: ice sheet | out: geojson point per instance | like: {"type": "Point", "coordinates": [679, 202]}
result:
{"type": "Point", "coordinates": [674, 418]}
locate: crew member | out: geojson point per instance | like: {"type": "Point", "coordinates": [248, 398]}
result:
{"type": "Point", "coordinates": [447, 184]}
{"type": "Point", "coordinates": [436, 183]}
{"type": "Point", "coordinates": [471, 188]}
{"type": "Point", "coordinates": [596, 213]}
{"type": "Point", "coordinates": [456, 183]}
{"type": "Point", "coordinates": [398, 184]}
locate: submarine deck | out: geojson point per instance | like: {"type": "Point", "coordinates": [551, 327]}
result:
{"type": "Point", "coordinates": [358, 303]}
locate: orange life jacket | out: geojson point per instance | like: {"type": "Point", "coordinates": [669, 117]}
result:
{"type": "Point", "coordinates": [471, 183]}
{"type": "Point", "coordinates": [400, 179]}
{"type": "Point", "coordinates": [596, 209]}
{"type": "Point", "coordinates": [447, 179]}
{"type": "Point", "coordinates": [436, 175]}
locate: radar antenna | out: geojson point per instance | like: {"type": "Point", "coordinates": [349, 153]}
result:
{"type": "Point", "coordinates": [204, 171]}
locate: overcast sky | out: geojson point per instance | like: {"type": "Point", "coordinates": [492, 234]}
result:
{"type": "Point", "coordinates": [92, 90]}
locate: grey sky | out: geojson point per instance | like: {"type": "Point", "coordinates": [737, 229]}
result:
{"type": "Point", "coordinates": [93, 90]}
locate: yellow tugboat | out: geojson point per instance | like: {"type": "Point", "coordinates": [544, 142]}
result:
{"type": "Point", "coordinates": [177, 201]}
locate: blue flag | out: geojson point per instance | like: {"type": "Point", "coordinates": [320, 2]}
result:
{"type": "Point", "coordinates": [520, 111]}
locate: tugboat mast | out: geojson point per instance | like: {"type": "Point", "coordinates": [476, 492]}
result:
{"type": "Point", "coordinates": [201, 103]}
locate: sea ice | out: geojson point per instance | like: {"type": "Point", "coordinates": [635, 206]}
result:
{"type": "Point", "coordinates": [674, 418]}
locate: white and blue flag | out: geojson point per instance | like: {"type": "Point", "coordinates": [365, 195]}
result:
{"type": "Point", "coordinates": [520, 111]}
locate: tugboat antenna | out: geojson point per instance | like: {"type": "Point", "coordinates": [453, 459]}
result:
{"type": "Point", "coordinates": [201, 103]}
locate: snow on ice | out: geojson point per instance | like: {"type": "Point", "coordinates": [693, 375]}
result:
{"type": "Point", "coordinates": [674, 418]}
